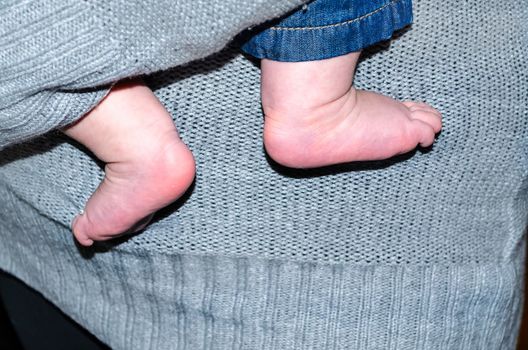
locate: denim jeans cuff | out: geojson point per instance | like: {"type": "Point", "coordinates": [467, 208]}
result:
{"type": "Point", "coordinates": [309, 43]}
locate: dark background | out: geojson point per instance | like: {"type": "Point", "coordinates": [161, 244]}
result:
{"type": "Point", "coordinates": [38, 323]}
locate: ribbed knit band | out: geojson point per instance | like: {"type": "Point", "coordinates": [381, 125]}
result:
{"type": "Point", "coordinates": [147, 300]}
{"type": "Point", "coordinates": [46, 50]}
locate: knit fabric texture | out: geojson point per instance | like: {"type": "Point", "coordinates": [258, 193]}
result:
{"type": "Point", "coordinates": [422, 251]}
{"type": "Point", "coordinates": [58, 57]}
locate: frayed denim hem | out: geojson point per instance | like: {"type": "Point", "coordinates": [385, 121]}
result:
{"type": "Point", "coordinates": [308, 36]}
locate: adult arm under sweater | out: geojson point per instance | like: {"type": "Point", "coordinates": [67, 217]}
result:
{"type": "Point", "coordinates": [58, 58]}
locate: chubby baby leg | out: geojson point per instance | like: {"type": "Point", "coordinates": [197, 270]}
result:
{"type": "Point", "coordinates": [147, 164]}
{"type": "Point", "coordinates": [315, 117]}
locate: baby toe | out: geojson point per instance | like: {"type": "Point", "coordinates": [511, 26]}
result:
{"type": "Point", "coordinates": [431, 118]}
{"type": "Point", "coordinates": [423, 132]}
{"type": "Point", "coordinates": [421, 106]}
{"type": "Point", "coordinates": [79, 230]}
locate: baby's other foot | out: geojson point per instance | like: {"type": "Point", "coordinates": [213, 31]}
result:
{"type": "Point", "coordinates": [323, 120]}
{"type": "Point", "coordinates": [147, 164]}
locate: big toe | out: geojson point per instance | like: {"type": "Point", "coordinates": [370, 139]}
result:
{"type": "Point", "coordinates": [79, 230]}
{"type": "Point", "coordinates": [86, 231]}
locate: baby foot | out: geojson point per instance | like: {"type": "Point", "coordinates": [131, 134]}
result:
{"type": "Point", "coordinates": [360, 126]}
{"type": "Point", "coordinates": [147, 164]}
{"type": "Point", "coordinates": [323, 120]}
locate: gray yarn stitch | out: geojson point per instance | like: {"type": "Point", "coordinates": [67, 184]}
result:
{"type": "Point", "coordinates": [424, 251]}
{"type": "Point", "coordinates": [58, 57]}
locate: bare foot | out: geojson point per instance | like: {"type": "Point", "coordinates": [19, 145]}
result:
{"type": "Point", "coordinates": [315, 117]}
{"type": "Point", "coordinates": [147, 164]}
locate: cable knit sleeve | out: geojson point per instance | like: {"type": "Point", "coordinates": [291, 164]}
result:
{"type": "Point", "coordinates": [58, 58]}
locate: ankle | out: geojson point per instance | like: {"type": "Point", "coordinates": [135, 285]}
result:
{"type": "Point", "coordinates": [292, 135]}
{"type": "Point", "coordinates": [177, 168]}
{"type": "Point", "coordinates": [169, 164]}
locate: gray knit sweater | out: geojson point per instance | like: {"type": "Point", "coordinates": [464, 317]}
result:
{"type": "Point", "coordinates": [423, 251]}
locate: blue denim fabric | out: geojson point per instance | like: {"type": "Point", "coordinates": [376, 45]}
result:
{"type": "Point", "coordinates": [328, 28]}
